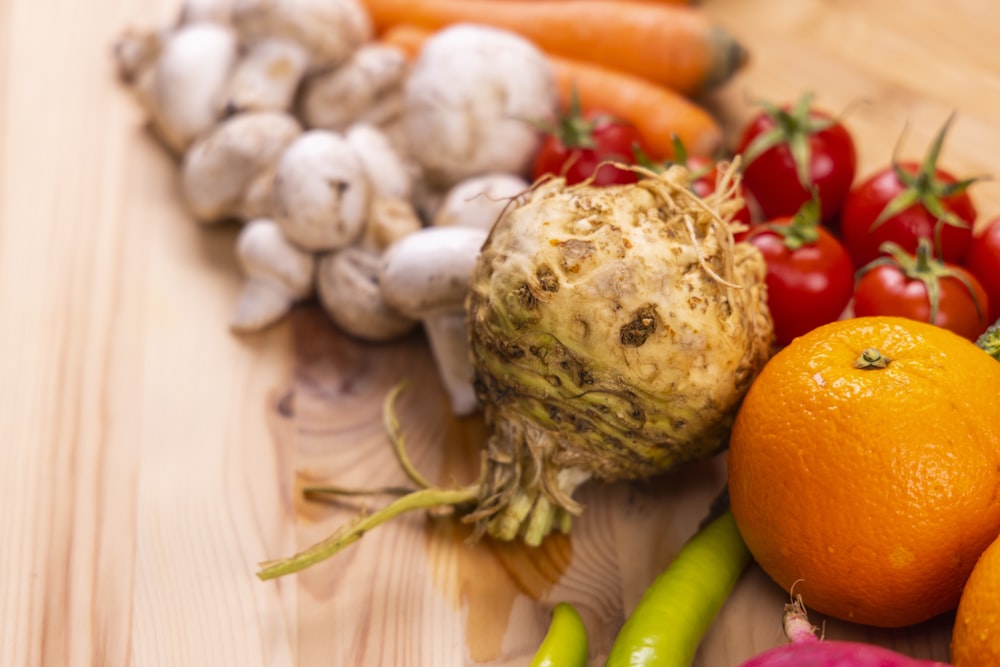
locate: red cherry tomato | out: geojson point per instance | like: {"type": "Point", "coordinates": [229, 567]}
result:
{"type": "Point", "coordinates": [810, 277]}
{"type": "Point", "coordinates": [905, 202]}
{"type": "Point", "coordinates": [788, 152]}
{"type": "Point", "coordinates": [579, 143]}
{"type": "Point", "coordinates": [900, 286]}
{"type": "Point", "coordinates": [866, 202]}
{"type": "Point", "coordinates": [983, 261]}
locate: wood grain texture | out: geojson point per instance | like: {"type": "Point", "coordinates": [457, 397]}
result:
{"type": "Point", "coordinates": [149, 459]}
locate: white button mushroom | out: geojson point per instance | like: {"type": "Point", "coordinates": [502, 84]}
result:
{"type": "Point", "coordinates": [348, 286]}
{"type": "Point", "coordinates": [473, 99]}
{"type": "Point", "coordinates": [368, 88]}
{"type": "Point", "coordinates": [229, 172]}
{"type": "Point", "coordinates": [322, 193]}
{"type": "Point", "coordinates": [179, 77]}
{"type": "Point", "coordinates": [479, 201]}
{"type": "Point", "coordinates": [390, 220]}
{"type": "Point", "coordinates": [277, 275]}
{"type": "Point", "coordinates": [387, 171]}
{"type": "Point", "coordinates": [287, 39]}
{"type": "Point", "coordinates": [426, 276]}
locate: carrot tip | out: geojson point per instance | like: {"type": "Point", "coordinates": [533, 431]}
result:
{"type": "Point", "coordinates": [730, 57]}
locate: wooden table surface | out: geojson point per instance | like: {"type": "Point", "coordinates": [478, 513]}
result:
{"type": "Point", "coordinates": [150, 458]}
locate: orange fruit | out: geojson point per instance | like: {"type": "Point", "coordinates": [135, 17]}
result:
{"type": "Point", "coordinates": [873, 490]}
{"type": "Point", "coordinates": [975, 640]}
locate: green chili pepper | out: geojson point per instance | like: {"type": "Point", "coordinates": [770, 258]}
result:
{"type": "Point", "coordinates": [677, 609]}
{"type": "Point", "coordinates": [565, 644]}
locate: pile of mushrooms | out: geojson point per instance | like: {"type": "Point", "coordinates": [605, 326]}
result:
{"type": "Point", "coordinates": [358, 178]}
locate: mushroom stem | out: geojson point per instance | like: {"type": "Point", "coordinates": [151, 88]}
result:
{"type": "Point", "coordinates": [425, 275]}
{"type": "Point", "coordinates": [267, 77]}
{"type": "Point", "coordinates": [277, 275]}
{"type": "Point", "coordinates": [448, 339]}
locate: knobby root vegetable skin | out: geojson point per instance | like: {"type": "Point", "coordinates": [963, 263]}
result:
{"type": "Point", "coordinates": [673, 45]}
{"type": "Point", "coordinates": [677, 609]}
{"type": "Point", "coordinates": [614, 331]}
{"type": "Point", "coordinates": [805, 649]}
{"type": "Point", "coordinates": [566, 643]}
{"type": "Point", "coordinates": [661, 115]}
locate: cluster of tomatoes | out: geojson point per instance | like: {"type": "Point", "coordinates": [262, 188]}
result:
{"type": "Point", "coordinates": [898, 242]}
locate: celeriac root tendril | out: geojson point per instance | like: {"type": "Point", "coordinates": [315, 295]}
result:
{"type": "Point", "coordinates": [331, 490]}
{"type": "Point", "coordinates": [427, 497]}
{"type": "Point", "coordinates": [352, 532]}
{"type": "Point", "coordinates": [396, 436]}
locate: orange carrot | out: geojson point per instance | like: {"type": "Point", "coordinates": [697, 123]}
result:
{"type": "Point", "coordinates": [668, 2]}
{"type": "Point", "coordinates": [658, 113]}
{"type": "Point", "coordinates": [406, 37]}
{"type": "Point", "coordinates": [674, 45]}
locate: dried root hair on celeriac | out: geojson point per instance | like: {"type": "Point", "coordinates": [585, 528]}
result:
{"type": "Point", "coordinates": [228, 174]}
{"type": "Point", "coordinates": [614, 331]}
{"type": "Point", "coordinates": [284, 41]}
{"type": "Point", "coordinates": [276, 273]}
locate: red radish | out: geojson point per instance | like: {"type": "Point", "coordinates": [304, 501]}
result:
{"type": "Point", "coordinates": [805, 649]}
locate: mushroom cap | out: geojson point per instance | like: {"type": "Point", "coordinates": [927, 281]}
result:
{"type": "Point", "coordinates": [479, 201]}
{"type": "Point", "coordinates": [277, 275]}
{"type": "Point", "coordinates": [347, 283]}
{"type": "Point", "coordinates": [191, 73]}
{"type": "Point", "coordinates": [322, 195]}
{"type": "Point", "coordinates": [391, 177]}
{"type": "Point", "coordinates": [428, 271]}
{"type": "Point", "coordinates": [264, 253]}
{"type": "Point", "coordinates": [366, 88]}
{"type": "Point", "coordinates": [473, 97]}
{"type": "Point", "coordinates": [328, 30]}
{"type": "Point", "coordinates": [219, 168]}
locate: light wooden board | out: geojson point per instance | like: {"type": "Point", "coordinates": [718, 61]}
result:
{"type": "Point", "coordinates": [149, 458]}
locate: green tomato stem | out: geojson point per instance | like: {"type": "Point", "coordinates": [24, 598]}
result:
{"type": "Point", "coordinates": [566, 643]}
{"type": "Point", "coordinates": [922, 266]}
{"type": "Point", "coordinates": [680, 605]}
